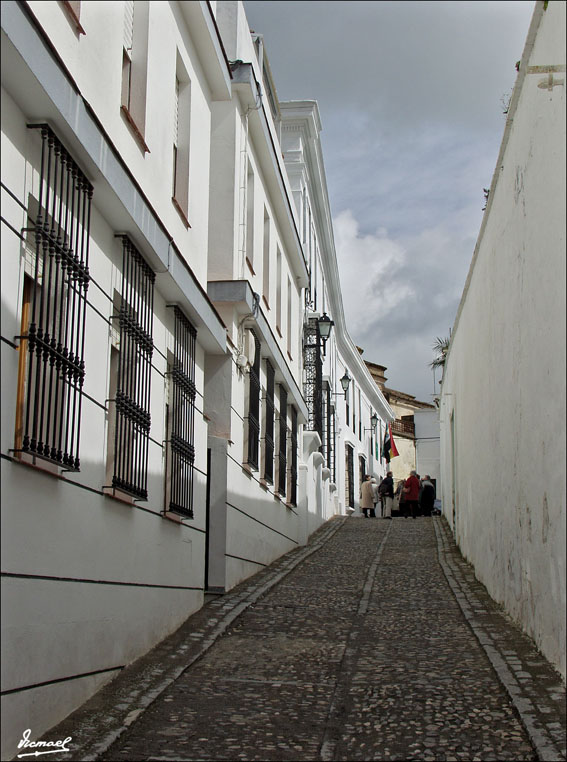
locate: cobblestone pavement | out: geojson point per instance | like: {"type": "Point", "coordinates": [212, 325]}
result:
{"type": "Point", "coordinates": [374, 642]}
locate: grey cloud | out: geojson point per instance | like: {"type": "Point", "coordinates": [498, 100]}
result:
{"type": "Point", "coordinates": [410, 100]}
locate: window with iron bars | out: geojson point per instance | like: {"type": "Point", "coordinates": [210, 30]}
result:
{"type": "Point", "coordinates": [349, 476]}
{"type": "Point", "coordinates": [313, 368]}
{"type": "Point", "coordinates": [293, 465]}
{"type": "Point", "coordinates": [328, 446]}
{"type": "Point", "coordinates": [181, 418]}
{"type": "Point", "coordinates": [282, 449]}
{"type": "Point", "coordinates": [269, 425]}
{"type": "Point", "coordinates": [52, 367]}
{"type": "Point", "coordinates": [254, 406]}
{"type": "Point", "coordinates": [132, 401]}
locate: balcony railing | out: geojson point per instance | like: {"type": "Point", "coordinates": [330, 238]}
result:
{"type": "Point", "coordinates": [403, 427]}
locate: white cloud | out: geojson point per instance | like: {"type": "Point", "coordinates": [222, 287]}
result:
{"type": "Point", "coordinates": [399, 294]}
{"type": "Point", "coordinates": [410, 100]}
{"type": "Point", "coordinates": [363, 262]}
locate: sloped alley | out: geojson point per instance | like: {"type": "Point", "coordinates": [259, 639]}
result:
{"type": "Point", "coordinates": [374, 642]}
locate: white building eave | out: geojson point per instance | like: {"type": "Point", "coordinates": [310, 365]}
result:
{"type": "Point", "coordinates": [208, 44]}
{"type": "Point", "coordinates": [46, 92]}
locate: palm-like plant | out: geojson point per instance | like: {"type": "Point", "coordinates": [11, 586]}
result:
{"type": "Point", "coordinates": [440, 347]}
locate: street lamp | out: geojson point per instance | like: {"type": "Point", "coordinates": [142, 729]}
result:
{"type": "Point", "coordinates": [373, 421]}
{"type": "Point", "coordinates": [325, 324]}
{"type": "Point", "coordinates": [345, 381]}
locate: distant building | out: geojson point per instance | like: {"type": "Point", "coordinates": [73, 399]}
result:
{"type": "Point", "coordinates": [502, 404]}
{"type": "Point", "coordinates": [408, 442]}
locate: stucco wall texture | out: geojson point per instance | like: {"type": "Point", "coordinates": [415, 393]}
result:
{"type": "Point", "coordinates": [503, 392]}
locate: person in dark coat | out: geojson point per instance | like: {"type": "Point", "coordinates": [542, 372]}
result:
{"type": "Point", "coordinates": [427, 499]}
{"type": "Point", "coordinates": [387, 494]}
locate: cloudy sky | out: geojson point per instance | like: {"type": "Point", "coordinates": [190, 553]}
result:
{"type": "Point", "coordinates": [412, 97]}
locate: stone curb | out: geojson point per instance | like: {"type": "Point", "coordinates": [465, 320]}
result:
{"type": "Point", "coordinates": [102, 719]}
{"type": "Point", "coordinates": [508, 664]}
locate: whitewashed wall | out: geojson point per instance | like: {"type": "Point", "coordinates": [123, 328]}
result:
{"type": "Point", "coordinates": [53, 530]}
{"type": "Point", "coordinates": [503, 392]}
{"type": "Point", "coordinates": [251, 523]}
{"type": "Point", "coordinates": [106, 579]}
{"type": "Point", "coordinates": [427, 443]}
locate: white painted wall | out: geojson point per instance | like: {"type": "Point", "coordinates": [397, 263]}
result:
{"type": "Point", "coordinates": [62, 537]}
{"type": "Point", "coordinates": [427, 443]}
{"type": "Point", "coordinates": [503, 392]}
{"type": "Point", "coordinates": [53, 528]}
{"type": "Point", "coordinates": [94, 60]}
{"type": "Point", "coordinates": [96, 582]}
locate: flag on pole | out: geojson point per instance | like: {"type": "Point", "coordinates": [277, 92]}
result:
{"type": "Point", "coordinates": [389, 449]}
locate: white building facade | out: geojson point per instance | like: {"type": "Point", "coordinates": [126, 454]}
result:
{"type": "Point", "coordinates": [256, 276]}
{"type": "Point", "coordinates": [161, 437]}
{"type": "Point", "coordinates": [106, 333]}
{"type": "Point", "coordinates": [502, 406]}
{"type": "Point", "coordinates": [347, 411]}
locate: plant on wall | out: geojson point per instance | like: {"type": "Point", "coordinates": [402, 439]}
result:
{"type": "Point", "coordinates": [440, 347]}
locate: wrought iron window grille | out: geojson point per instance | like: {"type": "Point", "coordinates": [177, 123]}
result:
{"type": "Point", "coordinates": [132, 402]}
{"type": "Point", "coordinates": [269, 425]}
{"type": "Point", "coordinates": [254, 407]}
{"type": "Point", "coordinates": [282, 449]}
{"type": "Point", "coordinates": [181, 424]}
{"type": "Point", "coordinates": [49, 410]}
{"type": "Point", "coordinates": [293, 465]}
{"type": "Point", "coordinates": [349, 481]}
{"type": "Point", "coordinates": [313, 380]}
{"type": "Point", "coordinates": [328, 440]}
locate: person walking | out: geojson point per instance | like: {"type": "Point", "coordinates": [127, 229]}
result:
{"type": "Point", "coordinates": [375, 496]}
{"type": "Point", "coordinates": [427, 497]}
{"type": "Point", "coordinates": [387, 493]}
{"type": "Point", "coordinates": [411, 492]}
{"type": "Point", "coordinates": [366, 497]}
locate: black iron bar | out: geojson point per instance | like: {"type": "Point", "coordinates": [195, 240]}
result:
{"type": "Point", "coordinates": [85, 284]}
{"type": "Point", "coordinates": [70, 343]}
{"type": "Point", "coordinates": [74, 284]}
{"type": "Point", "coordinates": [63, 321]}
{"type": "Point", "coordinates": [40, 323]}
{"type": "Point", "coordinates": [57, 309]}
{"type": "Point", "coordinates": [67, 344]}
{"type": "Point", "coordinates": [52, 295]}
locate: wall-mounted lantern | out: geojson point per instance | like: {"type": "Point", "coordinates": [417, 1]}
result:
{"type": "Point", "coordinates": [373, 421]}
{"type": "Point", "coordinates": [325, 325]}
{"type": "Point", "coordinates": [345, 381]}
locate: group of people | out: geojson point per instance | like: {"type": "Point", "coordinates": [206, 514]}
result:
{"type": "Point", "coordinates": [416, 496]}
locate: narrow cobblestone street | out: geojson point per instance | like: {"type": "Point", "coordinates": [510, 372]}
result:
{"type": "Point", "coordinates": [374, 642]}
